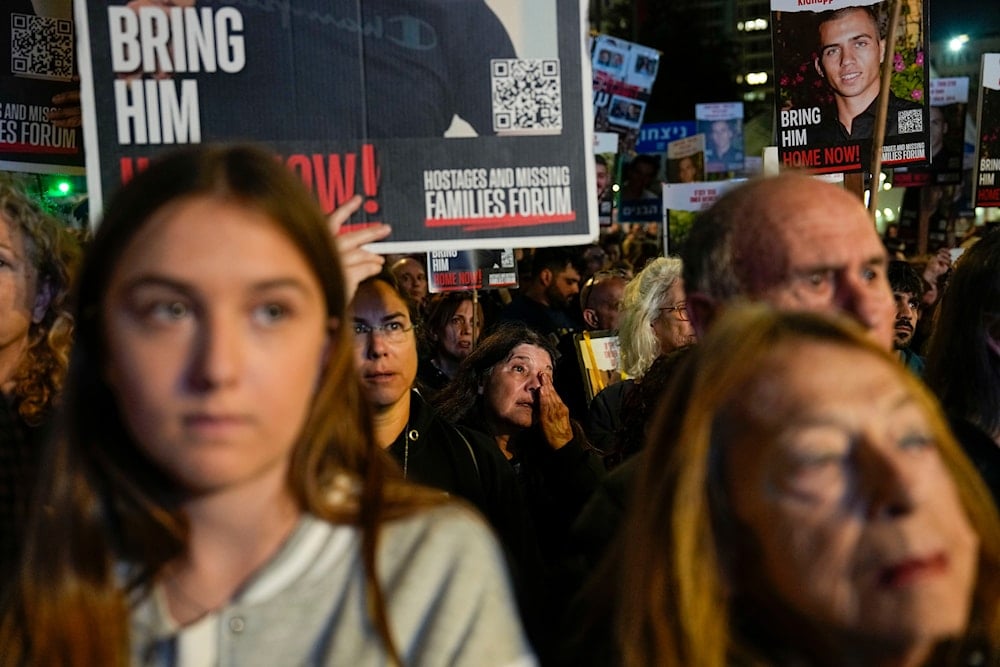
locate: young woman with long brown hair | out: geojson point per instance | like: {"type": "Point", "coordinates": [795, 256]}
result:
{"type": "Point", "coordinates": [215, 492]}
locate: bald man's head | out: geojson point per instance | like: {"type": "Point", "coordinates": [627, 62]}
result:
{"type": "Point", "coordinates": [794, 242]}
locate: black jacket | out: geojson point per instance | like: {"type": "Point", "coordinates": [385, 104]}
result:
{"type": "Point", "coordinates": [468, 463]}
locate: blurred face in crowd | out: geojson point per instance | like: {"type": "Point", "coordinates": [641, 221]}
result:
{"type": "Point", "coordinates": [858, 528]}
{"type": "Point", "coordinates": [936, 267]}
{"type": "Point", "coordinates": [671, 326]}
{"type": "Point", "coordinates": [458, 336]}
{"type": "Point", "coordinates": [385, 346]}
{"type": "Point", "coordinates": [907, 315]}
{"type": "Point", "coordinates": [594, 259]}
{"type": "Point", "coordinates": [412, 279]}
{"type": "Point", "coordinates": [511, 389]}
{"type": "Point", "coordinates": [214, 363]}
{"type": "Point", "coordinates": [613, 251]}
{"type": "Point", "coordinates": [850, 54]}
{"type": "Point", "coordinates": [561, 286]}
{"type": "Point", "coordinates": [822, 254]}
{"type": "Point", "coordinates": [602, 309]}
{"type": "Point", "coordinates": [21, 302]}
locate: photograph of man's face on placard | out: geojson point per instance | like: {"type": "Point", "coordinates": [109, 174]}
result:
{"type": "Point", "coordinates": [626, 112]}
{"type": "Point", "coordinates": [851, 51]}
{"type": "Point", "coordinates": [828, 73]}
{"type": "Point", "coordinates": [722, 125]}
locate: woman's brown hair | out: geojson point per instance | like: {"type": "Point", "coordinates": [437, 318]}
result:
{"type": "Point", "coordinates": [53, 254]}
{"type": "Point", "coordinates": [103, 504]}
{"type": "Point", "coordinates": [677, 604]}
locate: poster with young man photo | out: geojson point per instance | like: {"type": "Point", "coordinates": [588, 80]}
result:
{"type": "Point", "coordinates": [722, 125]}
{"type": "Point", "coordinates": [949, 98]}
{"type": "Point", "coordinates": [828, 81]}
{"type": "Point", "coordinates": [987, 175]}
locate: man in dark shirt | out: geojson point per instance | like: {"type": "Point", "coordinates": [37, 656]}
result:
{"type": "Point", "coordinates": [907, 291]}
{"type": "Point", "coordinates": [544, 302]}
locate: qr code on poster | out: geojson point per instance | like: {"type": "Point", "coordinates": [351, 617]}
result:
{"type": "Point", "coordinates": [911, 120]}
{"type": "Point", "coordinates": [527, 96]}
{"type": "Point", "coordinates": [41, 47]}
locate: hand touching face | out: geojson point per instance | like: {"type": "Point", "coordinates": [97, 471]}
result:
{"type": "Point", "coordinates": [519, 390]}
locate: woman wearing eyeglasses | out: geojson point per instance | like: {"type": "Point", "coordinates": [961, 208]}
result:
{"type": "Point", "coordinates": [431, 451]}
{"type": "Point", "coordinates": [653, 324]}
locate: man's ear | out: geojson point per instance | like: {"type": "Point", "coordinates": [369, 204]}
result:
{"type": "Point", "coordinates": [701, 310]}
{"type": "Point", "coordinates": [545, 277]}
{"type": "Point", "coordinates": [590, 317]}
{"type": "Point", "coordinates": [819, 68]}
{"type": "Point", "coordinates": [881, 50]}
{"type": "Point", "coordinates": [43, 299]}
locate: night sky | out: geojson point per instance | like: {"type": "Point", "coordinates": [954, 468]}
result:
{"type": "Point", "coordinates": [977, 18]}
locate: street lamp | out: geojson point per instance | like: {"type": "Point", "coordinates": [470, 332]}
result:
{"type": "Point", "coordinates": [955, 44]}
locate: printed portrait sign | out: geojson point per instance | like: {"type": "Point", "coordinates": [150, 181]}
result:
{"type": "Point", "coordinates": [686, 160]}
{"type": "Point", "coordinates": [38, 78]}
{"type": "Point", "coordinates": [605, 163]}
{"type": "Point", "coordinates": [640, 198]}
{"type": "Point", "coordinates": [722, 125]}
{"type": "Point", "coordinates": [624, 73]}
{"type": "Point", "coordinates": [610, 57]}
{"type": "Point", "coordinates": [827, 58]}
{"type": "Point", "coordinates": [644, 65]}
{"type": "Point", "coordinates": [466, 128]}
{"type": "Point", "coordinates": [949, 98]}
{"type": "Point", "coordinates": [988, 154]}
{"type": "Point", "coordinates": [626, 112]}
{"type": "Point", "coordinates": [463, 270]}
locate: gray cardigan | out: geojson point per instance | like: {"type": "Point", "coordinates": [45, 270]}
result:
{"type": "Point", "coordinates": [445, 583]}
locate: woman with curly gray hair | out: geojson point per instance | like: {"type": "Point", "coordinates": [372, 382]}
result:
{"type": "Point", "coordinates": [653, 324]}
{"type": "Point", "coordinates": [654, 321]}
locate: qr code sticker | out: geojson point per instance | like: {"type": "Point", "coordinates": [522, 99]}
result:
{"type": "Point", "coordinates": [911, 121]}
{"type": "Point", "coordinates": [527, 96]}
{"type": "Point", "coordinates": [41, 47]}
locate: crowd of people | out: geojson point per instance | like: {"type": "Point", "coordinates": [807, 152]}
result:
{"type": "Point", "coordinates": [257, 442]}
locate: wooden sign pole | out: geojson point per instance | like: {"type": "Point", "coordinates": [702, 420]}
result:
{"type": "Point", "coordinates": [883, 106]}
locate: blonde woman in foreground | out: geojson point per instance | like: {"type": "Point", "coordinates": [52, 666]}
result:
{"type": "Point", "coordinates": [805, 504]}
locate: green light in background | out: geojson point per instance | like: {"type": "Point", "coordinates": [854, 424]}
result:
{"type": "Point", "coordinates": [60, 187]}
